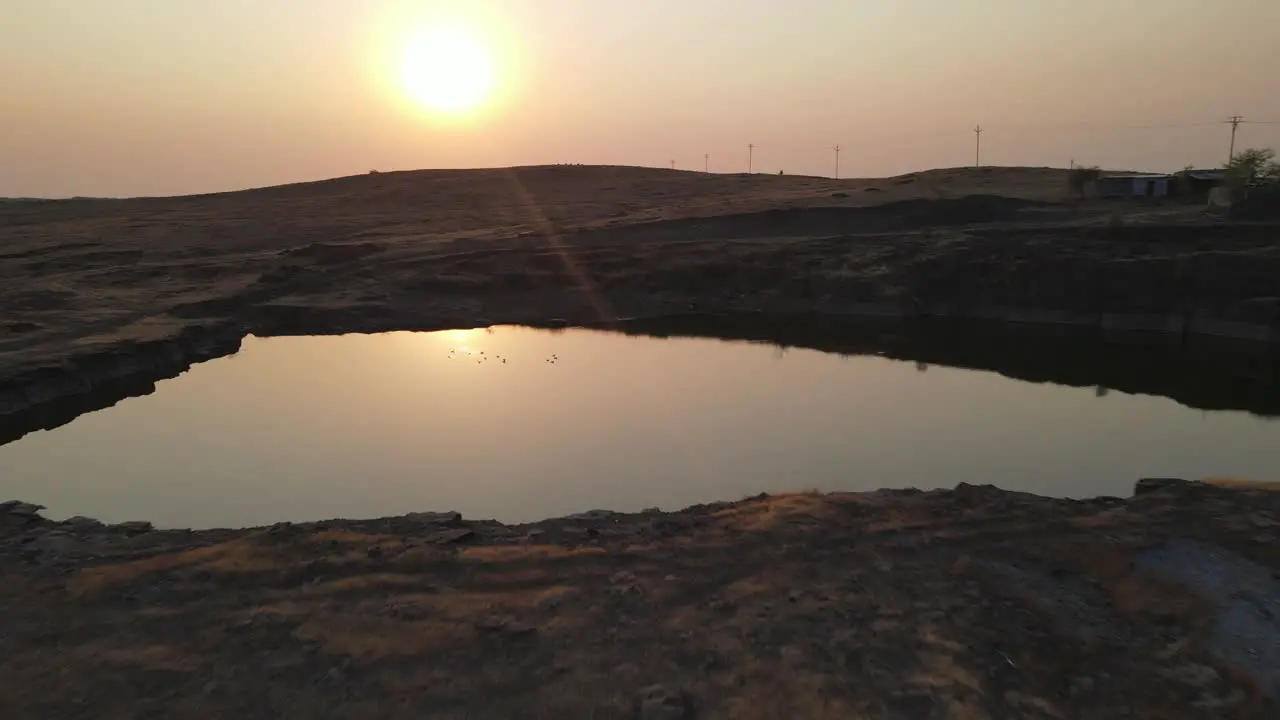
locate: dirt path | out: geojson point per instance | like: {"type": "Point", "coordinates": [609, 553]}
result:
{"type": "Point", "coordinates": [970, 603]}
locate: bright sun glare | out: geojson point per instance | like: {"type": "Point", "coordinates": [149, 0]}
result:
{"type": "Point", "coordinates": [448, 70]}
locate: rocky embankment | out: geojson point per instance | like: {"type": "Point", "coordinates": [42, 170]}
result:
{"type": "Point", "coordinates": [974, 602]}
{"type": "Point", "coordinates": [1183, 286]}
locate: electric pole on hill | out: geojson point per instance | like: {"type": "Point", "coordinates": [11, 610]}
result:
{"type": "Point", "coordinates": [751, 151]}
{"type": "Point", "coordinates": [706, 162]}
{"type": "Point", "coordinates": [673, 164]}
{"type": "Point", "coordinates": [1234, 121]}
{"type": "Point", "coordinates": [977, 147]}
{"type": "Point", "coordinates": [837, 162]}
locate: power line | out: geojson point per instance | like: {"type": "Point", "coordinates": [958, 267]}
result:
{"type": "Point", "coordinates": [751, 151]}
{"type": "Point", "coordinates": [977, 149]}
{"type": "Point", "coordinates": [706, 162]}
{"type": "Point", "coordinates": [837, 176]}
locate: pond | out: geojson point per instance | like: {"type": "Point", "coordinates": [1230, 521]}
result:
{"type": "Point", "coordinates": [522, 424]}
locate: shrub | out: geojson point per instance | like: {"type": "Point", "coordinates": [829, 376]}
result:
{"type": "Point", "coordinates": [1079, 178]}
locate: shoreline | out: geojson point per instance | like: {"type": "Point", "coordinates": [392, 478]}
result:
{"type": "Point", "coordinates": [901, 602]}
{"type": "Point", "coordinates": [32, 512]}
{"type": "Point", "coordinates": [48, 397]}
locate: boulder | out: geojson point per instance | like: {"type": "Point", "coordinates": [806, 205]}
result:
{"type": "Point", "coordinates": [436, 518]}
{"type": "Point", "coordinates": [1149, 485]}
{"type": "Point", "coordinates": [18, 508]}
{"type": "Point", "coordinates": [134, 527]}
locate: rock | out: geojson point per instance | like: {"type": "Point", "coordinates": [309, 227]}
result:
{"type": "Point", "coordinates": [1081, 686]}
{"type": "Point", "coordinates": [1149, 485]}
{"type": "Point", "coordinates": [505, 627]}
{"type": "Point", "coordinates": [452, 536]}
{"type": "Point", "coordinates": [80, 522]}
{"type": "Point", "coordinates": [55, 545]}
{"type": "Point", "coordinates": [436, 518]}
{"type": "Point", "coordinates": [210, 686]}
{"type": "Point", "coordinates": [592, 516]}
{"type": "Point", "coordinates": [134, 527]}
{"type": "Point", "coordinates": [658, 703]}
{"type": "Point", "coordinates": [17, 508]}
{"type": "Point", "coordinates": [965, 493]}
{"type": "Point", "coordinates": [913, 705]}
{"type": "Point", "coordinates": [1261, 521]}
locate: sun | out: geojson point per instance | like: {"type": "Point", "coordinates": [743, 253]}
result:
{"type": "Point", "coordinates": [448, 70]}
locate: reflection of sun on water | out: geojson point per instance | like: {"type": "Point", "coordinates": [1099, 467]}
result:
{"type": "Point", "coordinates": [459, 337]}
{"type": "Point", "coordinates": [448, 70]}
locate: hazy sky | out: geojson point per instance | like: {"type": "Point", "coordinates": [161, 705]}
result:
{"type": "Point", "coordinates": [130, 97]}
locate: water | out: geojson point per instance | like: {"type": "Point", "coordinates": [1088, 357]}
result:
{"type": "Point", "coordinates": [306, 428]}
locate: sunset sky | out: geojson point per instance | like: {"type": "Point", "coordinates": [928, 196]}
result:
{"type": "Point", "coordinates": [163, 97]}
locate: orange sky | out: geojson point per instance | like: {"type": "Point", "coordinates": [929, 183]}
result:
{"type": "Point", "coordinates": [158, 97]}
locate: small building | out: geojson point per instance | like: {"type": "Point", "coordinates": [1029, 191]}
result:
{"type": "Point", "coordinates": [1197, 182]}
{"type": "Point", "coordinates": [1127, 187]}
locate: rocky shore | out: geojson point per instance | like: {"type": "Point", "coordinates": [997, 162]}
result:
{"type": "Point", "coordinates": [974, 602]}
{"type": "Point", "coordinates": [1205, 289]}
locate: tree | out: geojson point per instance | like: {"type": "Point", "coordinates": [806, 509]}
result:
{"type": "Point", "coordinates": [1079, 178]}
{"type": "Point", "coordinates": [1252, 167]}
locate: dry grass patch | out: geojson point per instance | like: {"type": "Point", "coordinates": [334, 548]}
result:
{"type": "Point", "coordinates": [1104, 519]}
{"type": "Point", "coordinates": [1030, 702]}
{"type": "Point", "coordinates": [365, 582]}
{"type": "Point", "coordinates": [234, 556]}
{"type": "Point", "coordinates": [283, 609]}
{"type": "Point", "coordinates": [748, 587]}
{"type": "Point", "coordinates": [782, 691]}
{"type": "Point", "coordinates": [511, 553]}
{"type": "Point", "coordinates": [152, 657]}
{"type": "Point", "coordinates": [1242, 484]}
{"type": "Point", "coordinates": [763, 515]}
{"type": "Point", "coordinates": [940, 671]}
{"type": "Point", "coordinates": [370, 637]}
{"type": "Point", "coordinates": [1136, 593]}
{"type": "Point", "coordinates": [347, 537]}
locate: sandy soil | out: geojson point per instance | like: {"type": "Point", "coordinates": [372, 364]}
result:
{"type": "Point", "coordinates": [970, 603]}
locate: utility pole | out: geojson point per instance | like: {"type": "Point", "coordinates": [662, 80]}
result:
{"type": "Point", "coordinates": [1235, 121]}
{"type": "Point", "coordinates": [837, 162]}
{"type": "Point", "coordinates": [706, 162]}
{"type": "Point", "coordinates": [673, 164]}
{"type": "Point", "coordinates": [977, 148]}
{"type": "Point", "coordinates": [751, 151]}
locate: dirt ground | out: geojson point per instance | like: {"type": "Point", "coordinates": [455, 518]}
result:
{"type": "Point", "coordinates": [967, 604]}
{"type": "Point", "coordinates": [972, 603]}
